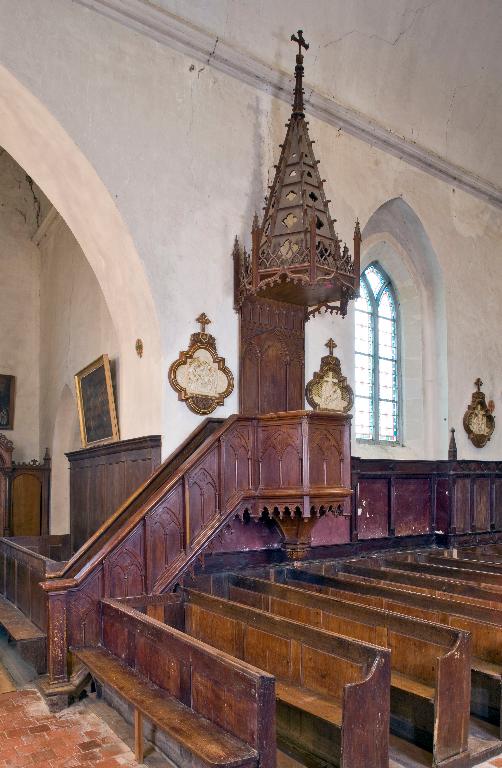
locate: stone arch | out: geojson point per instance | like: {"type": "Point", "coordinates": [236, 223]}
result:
{"type": "Point", "coordinates": [396, 238]}
{"type": "Point", "coordinates": [38, 142]}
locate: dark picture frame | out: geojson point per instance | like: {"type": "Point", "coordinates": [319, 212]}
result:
{"type": "Point", "coordinates": [7, 401]}
{"type": "Point", "coordinates": [96, 404]}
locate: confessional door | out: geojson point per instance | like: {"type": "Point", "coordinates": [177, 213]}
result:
{"type": "Point", "coordinates": [26, 512]}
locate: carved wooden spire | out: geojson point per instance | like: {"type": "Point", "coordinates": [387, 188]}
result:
{"type": "Point", "coordinates": [297, 255]}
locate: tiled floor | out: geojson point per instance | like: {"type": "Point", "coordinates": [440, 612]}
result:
{"type": "Point", "coordinates": [31, 736]}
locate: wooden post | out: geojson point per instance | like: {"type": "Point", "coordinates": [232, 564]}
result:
{"type": "Point", "coordinates": [138, 735]}
{"type": "Point", "coordinates": [57, 637]}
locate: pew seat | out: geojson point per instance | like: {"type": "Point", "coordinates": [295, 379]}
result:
{"type": "Point", "coordinates": [29, 639]}
{"type": "Point", "coordinates": [316, 704]}
{"type": "Point", "coordinates": [410, 685]}
{"type": "Point", "coordinates": [204, 743]}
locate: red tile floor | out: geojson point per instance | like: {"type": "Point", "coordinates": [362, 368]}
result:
{"type": "Point", "coordinates": [30, 735]}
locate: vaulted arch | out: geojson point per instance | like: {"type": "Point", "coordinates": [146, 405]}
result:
{"type": "Point", "coordinates": [395, 237]}
{"type": "Point", "coordinates": [48, 154]}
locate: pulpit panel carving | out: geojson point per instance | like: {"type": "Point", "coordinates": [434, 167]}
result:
{"type": "Point", "coordinates": [280, 456]}
{"type": "Point", "coordinates": [272, 356]}
{"type": "Point", "coordinates": [326, 456]}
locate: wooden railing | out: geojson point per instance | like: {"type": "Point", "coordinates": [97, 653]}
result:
{"type": "Point", "coordinates": [293, 466]}
{"type": "Point", "coordinates": [22, 570]}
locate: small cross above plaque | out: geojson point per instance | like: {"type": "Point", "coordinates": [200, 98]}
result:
{"type": "Point", "coordinates": [330, 344]}
{"type": "Point", "coordinates": [478, 384]}
{"type": "Point", "coordinates": [301, 41]}
{"type": "Point", "coordinates": [203, 320]}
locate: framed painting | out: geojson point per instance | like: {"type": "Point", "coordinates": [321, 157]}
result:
{"type": "Point", "coordinates": [7, 398]}
{"type": "Point", "coordinates": [96, 404]}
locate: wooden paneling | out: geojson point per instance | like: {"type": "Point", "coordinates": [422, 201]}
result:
{"type": "Point", "coordinates": [102, 478]}
{"type": "Point", "coordinates": [272, 356]}
{"type": "Point", "coordinates": [373, 509]}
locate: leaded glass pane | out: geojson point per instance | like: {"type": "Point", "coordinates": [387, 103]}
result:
{"type": "Point", "coordinates": [375, 278]}
{"type": "Point", "coordinates": [386, 306]}
{"type": "Point", "coordinates": [376, 354]}
{"type": "Point", "coordinates": [387, 379]}
{"type": "Point", "coordinates": [364, 418]}
{"type": "Point", "coordinates": [362, 304]}
{"type": "Point", "coordinates": [363, 333]}
{"type": "Point", "coordinates": [387, 420]}
{"type": "Point", "coordinates": [387, 338]}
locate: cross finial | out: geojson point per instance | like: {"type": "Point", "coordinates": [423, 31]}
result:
{"type": "Point", "coordinates": [203, 320]}
{"type": "Point", "coordinates": [330, 344]}
{"type": "Point", "coordinates": [478, 384]}
{"type": "Point", "coordinates": [301, 41]}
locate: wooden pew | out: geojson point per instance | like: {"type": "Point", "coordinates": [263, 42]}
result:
{"type": "Point", "coordinates": [217, 711]}
{"type": "Point", "coordinates": [490, 579]}
{"type": "Point", "coordinates": [430, 681]}
{"type": "Point", "coordinates": [473, 563]}
{"type": "Point", "coordinates": [421, 582]}
{"type": "Point", "coordinates": [483, 623]}
{"type": "Point", "coordinates": [332, 693]}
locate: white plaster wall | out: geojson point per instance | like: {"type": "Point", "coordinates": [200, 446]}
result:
{"type": "Point", "coordinates": [19, 305]}
{"type": "Point", "coordinates": [429, 70]}
{"type": "Point", "coordinates": [186, 153]}
{"type": "Point", "coordinates": [75, 329]}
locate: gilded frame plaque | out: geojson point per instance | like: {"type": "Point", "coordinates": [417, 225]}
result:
{"type": "Point", "coordinates": [199, 375]}
{"type": "Point", "coordinates": [328, 389]}
{"type": "Point", "coordinates": [479, 423]}
{"type": "Point", "coordinates": [96, 404]}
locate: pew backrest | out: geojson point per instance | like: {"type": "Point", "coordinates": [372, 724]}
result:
{"type": "Point", "coordinates": [237, 697]}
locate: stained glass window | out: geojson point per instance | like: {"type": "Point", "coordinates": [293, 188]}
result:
{"type": "Point", "coordinates": [376, 350]}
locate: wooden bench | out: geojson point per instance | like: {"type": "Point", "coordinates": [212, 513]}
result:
{"type": "Point", "coordinates": [30, 641]}
{"type": "Point", "coordinates": [474, 563]}
{"type": "Point", "coordinates": [206, 743]}
{"type": "Point", "coordinates": [332, 693]}
{"type": "Point", "coordinates": [489, 579]}
{"type": "Point", "coordinates": [483, 623]}
{"type": "Point", "coordinates": [213, 709]}
{"type": "Point", "coordinates": [422, 582]}
{"type": "Point", "coordinates": [430, 680]}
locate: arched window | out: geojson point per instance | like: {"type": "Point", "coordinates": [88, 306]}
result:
{"type": "Point", "coordinates": [377, 353]}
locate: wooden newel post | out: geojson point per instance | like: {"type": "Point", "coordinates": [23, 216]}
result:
{"type": "Point", "coordinates": [57, 635]}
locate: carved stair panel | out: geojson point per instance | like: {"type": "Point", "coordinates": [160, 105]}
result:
{"type": "Point", "coordinates": [237, 457]}
{"type": "Point", "coordinates": [125, 568]}
{"type": "Point", "coordinates": [249, 463]}
{"type": "Point", "coordinates": [84, 625]}
{"type": "Point", "coordinates": [203, 484]}
{"type": "Point", "coordinates": [165, 535]}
